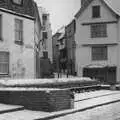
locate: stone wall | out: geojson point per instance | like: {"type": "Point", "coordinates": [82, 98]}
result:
{"type": "Point", "coordinates": [49, 101]}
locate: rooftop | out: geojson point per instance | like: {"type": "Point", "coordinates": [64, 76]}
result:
{"type": "Point", "coordinates": [26, 8]}
{"type": "Point", "coordinates": [114, 5]}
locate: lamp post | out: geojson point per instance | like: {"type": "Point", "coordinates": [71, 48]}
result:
{"type": "Point", "coordinates": [58, 67]}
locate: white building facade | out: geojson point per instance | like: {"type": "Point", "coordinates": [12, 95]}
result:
{"type": "Point", "coordinates": [46, 33]}
{"type": "Point", "coordinates": [98, 40]}
{"type": "Point", "coordinates": [17, 55]}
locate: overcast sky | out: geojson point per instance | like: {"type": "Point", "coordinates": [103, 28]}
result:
{"type": "Point", "coordinates": [61, 11]}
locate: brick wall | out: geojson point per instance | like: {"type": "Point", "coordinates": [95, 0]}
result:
{"type": "Point", "coordinates": [54, 100]}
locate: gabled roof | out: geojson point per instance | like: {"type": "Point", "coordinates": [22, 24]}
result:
{"type": "Point", "coordinates": [36, 14]}
{"type": "Point", "coordinates": [26, 8]}
{"type": "Point", "coordinates": [113, 5]}
{"type": "Point", "coordinates": [61, 36]}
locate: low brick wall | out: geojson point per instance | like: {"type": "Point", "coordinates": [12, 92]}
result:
{"type": "Point", "coordinates": [49, 101]}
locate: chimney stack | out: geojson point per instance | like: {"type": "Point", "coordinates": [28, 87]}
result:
{"type": "Point", "coordinates": [83, 2]}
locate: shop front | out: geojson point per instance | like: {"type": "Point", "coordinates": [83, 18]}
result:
{"type": "Point", "coordinates": [105, 74]}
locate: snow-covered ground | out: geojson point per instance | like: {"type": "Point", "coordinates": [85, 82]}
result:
{"type": "Point", "coordinates": [107, 112]}
{"type": "Point", "coordinates": [27, 89]}
{"type": "Point", "coordinates": [97, 100]}
{"type": "Point", "coordinates": [23, 115]}
{"type": "Point", "coordinates": [5, 107]}
{"type": "Point", "coordinates": [92, 94]}
{"type": "Point", "coordinates": [13, 82]}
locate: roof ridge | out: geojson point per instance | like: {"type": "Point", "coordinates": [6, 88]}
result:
{"type": "Point", "coordinates": [83, 7]}
{"type": "Point", "coordinates": [26, 9]}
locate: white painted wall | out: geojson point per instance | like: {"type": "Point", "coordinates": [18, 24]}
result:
{"type": "Point", "coordinates": [82, 37]}
{"type": "Point", "coordinates": [48, 29]}
{"type": "Point", "coordinates": [18, 52]}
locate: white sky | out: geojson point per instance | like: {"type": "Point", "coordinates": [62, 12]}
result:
{"type": "Point", "coordinates": [61, 11]}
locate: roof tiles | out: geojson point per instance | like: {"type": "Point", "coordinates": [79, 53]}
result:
{"type": "Point", "coordinates": [26, 8]}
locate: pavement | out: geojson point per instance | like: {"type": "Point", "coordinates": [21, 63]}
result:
{"type": "Point", "coordinates": [93, 94]}
{"type": "Point", "coordinates": [106, 112]}
{"type": "Point", "coordinates": [84, 103]}
{"type": "Point", "coordinates": [5, 108]}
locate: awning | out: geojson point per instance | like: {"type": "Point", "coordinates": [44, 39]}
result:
{"type": "Point", "coordinates": [99, 66]}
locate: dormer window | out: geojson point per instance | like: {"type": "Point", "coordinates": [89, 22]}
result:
{"type": "Point", "coordinates": [96, 11]}
{"type": "Point", "coordinates": [18, 2]}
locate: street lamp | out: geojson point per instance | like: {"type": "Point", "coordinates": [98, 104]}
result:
{"type": "Point", "coordinates": [58, 67]}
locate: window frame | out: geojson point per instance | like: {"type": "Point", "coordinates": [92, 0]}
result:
{"type": "Point", "coordinates": [99, 55]}
{"type": "Point", "coordinates": [19, 31]}
{"type": "Point", "coordinates": [96, 11]}
{"type": "Point", "coordinates": [44, 20]}
{"type": "Point", "coordinates": [5, 73]}
{"type": "Point", "coordinates": [98, 30]}
{"type": "Point", "coordinates": [46, 34]}
{"type": "Point", "coordinates": [1, 27]}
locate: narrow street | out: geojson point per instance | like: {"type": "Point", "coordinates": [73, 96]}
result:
{"type": "Point", "coordinates": [106, 112]}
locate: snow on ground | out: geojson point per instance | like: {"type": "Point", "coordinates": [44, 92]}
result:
{"type": "Point", "coordinates": [4, 107]}
{"type": "Point", "coordinates": [97, 101]}
{"type": "Point", "coordinates": [22, 115]}
{"type": "Point", "coordinates": [92, 94]}
{"type": "Point", "coordinates": [106, 112]}
{"type": "Point", "coordinates": [13, 82]}
{"type": "Point", "coordinates": [27, 89]}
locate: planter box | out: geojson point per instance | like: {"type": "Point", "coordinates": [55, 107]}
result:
{"type": "Point", "coordinates": [48, 100]}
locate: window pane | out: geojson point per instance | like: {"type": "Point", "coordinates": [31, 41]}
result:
{"type": "Point", "coordinates": [99, 53]}
{"type": "Point", "coordinates": [18, 30]}
{"type": "Point", "coordinates": [4, 63]}
{"type": "Point", "coordinates": [98, 30]}
{"type": "Point", "coordinates": [16, 35]}
{"type": "Point", "coordinates": [44, 17]}
{"type": "Point", "coordinates": [44, 35]}
{"type": "Point", "coordinates": [0, 26]}
{"type": "Point", "coordinates": [96, 11]}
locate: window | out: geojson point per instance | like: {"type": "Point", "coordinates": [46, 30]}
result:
{"type": "Point", "coordinates": [96, 11]}
{"type": "Point", "coordinates": [18, 31]}
{"type": "Point", "coordinates": [4, 63]}
{"type": "Point", "coordinates": [0, 27]}
{"type": "Point", "coordinates": [44, 18]}
{"type": "Point", "coordinates": [98, 30]}
{"type": "Point", "coordinates": [99, 53]}
{"type": "Point", "coordinates": [19, 2]}
{"type": "Point", "coordinates": [45, 35]}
